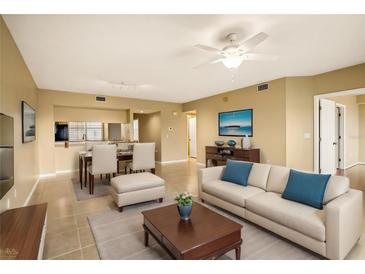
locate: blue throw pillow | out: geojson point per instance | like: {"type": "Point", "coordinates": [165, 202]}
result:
{"type": "Point", "coordinates": [237, 172]}
{"type": "Point", "coordinates": [306, 188]}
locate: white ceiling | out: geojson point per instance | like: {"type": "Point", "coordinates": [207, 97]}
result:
{"type": "Point", "coordinates": [85, 53]}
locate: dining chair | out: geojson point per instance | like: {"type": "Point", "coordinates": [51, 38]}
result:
{"type": "Point", "coordinates": [89, 146]}
{"type": "Point", "coordinates": [125, 147]}
{"type": "Point", "coordinates": [104, 161]}
{"type": "Point", "coordinates": [143, 157]}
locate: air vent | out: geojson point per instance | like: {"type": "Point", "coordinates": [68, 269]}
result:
{"type": "Point", "coordinates": [262, 87]}
{"type": "Point", "coordinates": [100, 98]}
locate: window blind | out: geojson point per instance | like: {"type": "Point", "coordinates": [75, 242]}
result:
{"type": "Point", "coordinates": [76, 131]}
{"type": "Point", "coordinates": [94, 131]}
{"type": "Point", "coordinates": [85, 131]}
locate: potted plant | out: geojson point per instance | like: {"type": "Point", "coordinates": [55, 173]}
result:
{"type": "Point", "coordinates": [184, 204]}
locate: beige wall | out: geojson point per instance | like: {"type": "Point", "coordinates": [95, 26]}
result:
{"type": "Point", "coordinates": [362, 133]}
{"type": "Point", "coordinates": [281, 116]}
{"type": "Point", "coordinates": [66, 159]}
{"type": "Point", "coordinates": [16, 84]}
{"type": "Point", "coordinates": [74, 114]}
{"type": "Point", "coordinates": [301, 90]}
{"type": "Point", "coordinates": [299, 109]}
{"type": "Point", "coordinates": [150, 130]}
{"type": "Point", "coordinates": [352, 127]}
{"type": "Point", "coordinates": [173, 143]}
{"type": "Point", "coordinates": [360, 99]}
{"type": "Point", "coordinates": [268, 119]}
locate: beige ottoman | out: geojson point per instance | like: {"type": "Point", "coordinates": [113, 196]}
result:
{"type": "Point", "coordinates": [137, 188]}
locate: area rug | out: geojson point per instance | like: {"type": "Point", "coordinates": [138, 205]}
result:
{"type": "Point", "coordinates": [120, 236]}
{"type": "Point", "coordinates": [101, 188]}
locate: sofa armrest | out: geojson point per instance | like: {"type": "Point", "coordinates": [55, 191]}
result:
{"type": "Point", "coordinates": [209, 174]}
{"type": "Point", "coordinates": [343, 224]}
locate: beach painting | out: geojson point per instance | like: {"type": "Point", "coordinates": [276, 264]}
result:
{"type": "Point", "coordinates": [235, 123]}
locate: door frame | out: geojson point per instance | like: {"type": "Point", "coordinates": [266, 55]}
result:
{"type": "Point", "coordinates": [316, 98]}
{"type": "Point", "coordinates": [342, 143]}
{"type": "Point", "coordinates": [188, 117]}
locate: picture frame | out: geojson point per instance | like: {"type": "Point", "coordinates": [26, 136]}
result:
{"type": "Point", "coordinates": [28, 123]}
{"type": "Point", "coordinates": [236, 123]}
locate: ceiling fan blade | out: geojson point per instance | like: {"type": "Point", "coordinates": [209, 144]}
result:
{"type": "Point", "coordinates": [208, 48]}
{"type": "Point", "coordinates": [259, 57]}
{"type": "Point", "coordinates": [212, 61]}
{"type": "Point", "coordinates": [253, 42]}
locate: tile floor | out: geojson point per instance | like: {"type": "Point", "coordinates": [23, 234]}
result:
{"type": "Point", "coordinates": [68, 232]}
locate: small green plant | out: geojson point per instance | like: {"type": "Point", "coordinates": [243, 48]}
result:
{"type": "Point", "coordinates": [184, 198]}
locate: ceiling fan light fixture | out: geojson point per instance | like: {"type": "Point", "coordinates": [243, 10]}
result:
{"type": "Point", "coordinates": [232, 62]}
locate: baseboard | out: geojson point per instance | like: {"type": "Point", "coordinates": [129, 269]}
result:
{"type": "Point", "coordinates": [54, 174]}
{"type": "Point", "coordinates": [66, 171]}
{"type": "Point", "coordinates": [31, 192]}
{"type": "Point", "coordinates": [47, 175]}
{"type": "Point", "coordinates": [173, 161]}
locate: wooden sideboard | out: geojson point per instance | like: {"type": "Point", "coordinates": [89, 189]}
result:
{"type": "Point", "coordinates": [22, 232]}
{"type": "Point", "coordinates": [219, 155]}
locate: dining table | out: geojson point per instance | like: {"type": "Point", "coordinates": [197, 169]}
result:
{"type": "Point", "coordinates": [85, 157]}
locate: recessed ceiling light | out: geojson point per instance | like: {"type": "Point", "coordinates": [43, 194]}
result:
{"type": "Point", "coordinates": [141, 111]}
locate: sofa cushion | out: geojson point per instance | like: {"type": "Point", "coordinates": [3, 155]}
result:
{"type": "Point", "coordinates": [336, 186]}
{"type": "Point", "coordinates": [135, 182]}
{"type": "Point", "coordinates": [230, 192]}
{"type": "Point", "coordinates": [306, 188]}
{"type": "Point", "coordinates": [237, 172]}
{"type": "Point", "coordinates": [278, 177]}
{"type": "Point", "coordinates": [302, 218]}
{"type": "Point", "coordinates": [258, 175]}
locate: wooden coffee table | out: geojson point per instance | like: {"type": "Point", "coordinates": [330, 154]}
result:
{"type": "Point", "coordinates": [207, 235]}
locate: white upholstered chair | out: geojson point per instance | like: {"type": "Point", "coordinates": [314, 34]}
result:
{"type": "Point", "coordinates": [104, 161]}
{"type": "Point", "coordinates": [124, 147]}
{"type": "Point", "coordinates": [143, 157]}
{"type": "Point", "coordinates": [88, 146]}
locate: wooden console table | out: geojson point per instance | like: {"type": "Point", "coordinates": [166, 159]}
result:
{"type": "Point", "coordinates": [219, 155]}
{"type": "Point", "coordinates": [22, 232]}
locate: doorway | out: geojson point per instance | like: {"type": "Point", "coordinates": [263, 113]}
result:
{"type": "Point", "coordinates": [337, 131]}
{"type": "Point", "coordinates": [340, 136]}
{"type": "Point", "coordinates": [331, 141]}
{"type": "Point", "coordinates": [192, 142]}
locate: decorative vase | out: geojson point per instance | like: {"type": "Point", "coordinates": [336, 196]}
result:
{"type": "Point", "coordinates": [245, 142]}
{"type": "Point", "coordinates": [219, 143]}
{"type": "Point", "coordinates": [184, 211]}
{"type": "Point", "coordinates": [231, 143]}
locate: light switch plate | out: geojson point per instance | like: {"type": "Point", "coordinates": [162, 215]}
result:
{"type": "Point", "coordinates": [307, 135]}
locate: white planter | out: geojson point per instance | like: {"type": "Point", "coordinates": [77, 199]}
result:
{"type": "Point", "coordinates": [246, 142]}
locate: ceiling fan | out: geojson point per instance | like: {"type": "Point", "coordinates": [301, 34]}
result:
{"type": "Point", "coordinates": [128, 87]}
{"type": "Point", "coordinates": [123, 86]}
{"type": "Point", "coordinates": [235, 53]}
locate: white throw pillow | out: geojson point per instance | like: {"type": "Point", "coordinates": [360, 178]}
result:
{"type": "Point", "coordinates": [278, 178]}
{"type": "Point", "coordinates": [258, 175]}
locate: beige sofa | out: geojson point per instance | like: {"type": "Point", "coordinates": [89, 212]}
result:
{"type": "Point", "coordinates": [331, 232]}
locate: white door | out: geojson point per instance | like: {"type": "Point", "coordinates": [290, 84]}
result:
{"type": "Point", "coordinates": [327, 137]}
{"type": "Point", "coordinates": [192, 136]}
